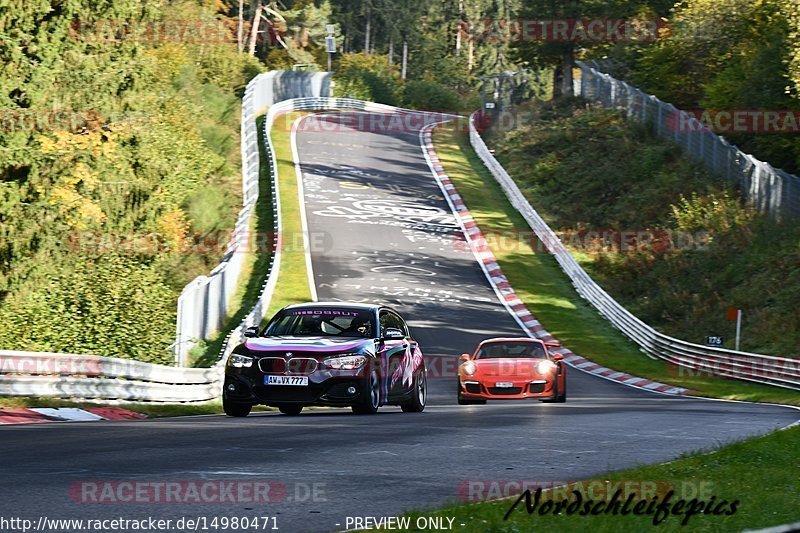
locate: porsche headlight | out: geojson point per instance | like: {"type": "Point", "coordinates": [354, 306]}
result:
{"type": "Point", "coordinates": [469, 368]}
{"type": "Point", "coordinates": [546, 367]}
{"type": "Point", "coordinates": [350, 362]}
{"type": "Point", "coordinates": [240, 361]}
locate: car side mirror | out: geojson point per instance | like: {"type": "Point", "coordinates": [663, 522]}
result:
{"type": "Point", "coordinates": [251, 332]}
{"type": "Point", "coordinates": [393, 334]}
{"type": "Point", "coordinates": [558, 357]}
{"type": "Point", "coordinates": [553, 344]}
{"type": "Point", "coordinates": [463, 358]}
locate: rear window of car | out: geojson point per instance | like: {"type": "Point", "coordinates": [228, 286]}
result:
{"type": "Point", "coordinates": [515, 350]}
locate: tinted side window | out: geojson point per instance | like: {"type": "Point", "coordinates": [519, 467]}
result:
{"type": "Point", "coordinates": [391, 320]}
{"type": "Point", "coordinates": [401, 325]}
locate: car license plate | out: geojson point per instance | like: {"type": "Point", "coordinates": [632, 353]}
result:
{"type": "Point", "coordinates": [503, 384]}
{"type": "Point", "coordinates": [296, 381]}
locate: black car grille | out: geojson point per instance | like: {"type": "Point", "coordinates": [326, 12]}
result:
{"type": "Point", "coordinates": [502, 391]}
{"type": "Point", "coordinates": [473, 388]}
{"type": "Point", "coordinates": [272, 365]}
{"type": "Point", "coordinates": [294, 366]}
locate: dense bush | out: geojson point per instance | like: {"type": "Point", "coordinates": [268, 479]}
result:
{"type": "Point", "coordinates": [727, 55]}
{"type": "Point", "coordinates": [367, 77]}
{"type": "Point", "coordinates": [430, 95]}
{"type": "Point", "coordinates": [145, 143]}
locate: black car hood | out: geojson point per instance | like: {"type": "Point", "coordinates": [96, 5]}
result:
{"type": "Point", "coordinates": [319, 345]}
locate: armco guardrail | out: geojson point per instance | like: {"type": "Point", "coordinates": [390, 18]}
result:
{"type": "Point", "coordinates": [107, 378]}
{"type": "Point", "coordinates": [204, 303]}
{"type": "Point", "coordinates": [694, 358]}
{"type": "Point", "coordinates": [771, 190]}
{"type": "Point", "coordinates": [95, 377]}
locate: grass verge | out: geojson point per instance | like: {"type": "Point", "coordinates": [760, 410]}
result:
{"type": "Point", "coordinates": [255, 265]}
{"type": "Point", "coordinates": [292, 284]}
{"type": "Point", "coordinates": [760, 473]}
{"type": "Point", "coordinates": [548, 293]}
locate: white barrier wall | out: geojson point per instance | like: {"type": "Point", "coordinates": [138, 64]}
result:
{"type": "Point", "coordinates": [204, 304]}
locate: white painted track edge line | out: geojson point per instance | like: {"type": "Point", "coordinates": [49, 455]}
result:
{"type": "Point", "coordinates": [312, 285]}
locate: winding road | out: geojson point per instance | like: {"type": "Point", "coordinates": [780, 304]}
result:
{"type": "Point", "coordinates": [379, 230]}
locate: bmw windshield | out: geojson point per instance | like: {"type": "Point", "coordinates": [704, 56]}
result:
{"type": "Point", "coordinates": [322, 322]}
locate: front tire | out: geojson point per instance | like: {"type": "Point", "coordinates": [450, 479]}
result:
{"type": "Point", "coordinates": [370, 396]}
{"type": "Point", "coordinates": [559, 395]}
{"type": "Point", "coordinates": [420, 395]}
{"type": "Point", "coordinates": [235, 409]}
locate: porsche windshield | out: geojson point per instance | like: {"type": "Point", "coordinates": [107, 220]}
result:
{"type": "Point", "coordinates": [512, 350]}
{"type": "Point", "coordinates": [327, 322]}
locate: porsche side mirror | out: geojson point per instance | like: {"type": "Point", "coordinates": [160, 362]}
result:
{"type": "Point", "coordinates": [558, 357]}
{"type": "Point", "coordinates": [463, 358]}
{"type": "Point", "coordinates": [251, 332]}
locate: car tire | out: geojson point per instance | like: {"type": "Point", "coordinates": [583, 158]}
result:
{"type": "Point", "coordinates": [562, 397]}
{"type": "Point", "coordinates": [419, 396]}
{"type": "Point", "coordinates": [370, 398]}
{"type": "Point", "coordinates": [462, 401]}
{"type": "Point", "coordinates": [559, 396]}
{"type": "Point", "coordinates": [291, 410]}
{"type": "Point", "coordinates": [235, 409]}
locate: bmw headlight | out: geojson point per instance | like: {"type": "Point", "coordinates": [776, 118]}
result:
{"type": "Point", "coordinates": [349, 362]}
{"type": "Point", "coordinates": [469, 368]}
{"type": "Point", "coordinates": [546, 367]}
{"type": "Point", "coordinates": [240, 361]}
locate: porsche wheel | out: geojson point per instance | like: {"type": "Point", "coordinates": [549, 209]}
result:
{"type": "Point", "coordinates": [417, 402]}
{"type": "Point", "coordinates": [370, 396]}
{"type": "Point", "coordinates": [559, 395]}
{"type": "Point", "coordinates": [562, 397]}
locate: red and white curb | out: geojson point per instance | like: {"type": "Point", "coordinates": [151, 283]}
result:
{"type": "Point", "coordinates": [65, 414]}
{"type": "Point", "coordinates": [504, 290]}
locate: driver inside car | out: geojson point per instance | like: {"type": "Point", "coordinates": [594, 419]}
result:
{"type": "Point", "coordinates": [359, 327]}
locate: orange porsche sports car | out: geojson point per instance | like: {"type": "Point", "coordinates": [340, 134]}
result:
{"type": "Point", "coordinates": [512, 369]}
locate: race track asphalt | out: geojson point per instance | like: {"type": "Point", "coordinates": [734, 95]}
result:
{"type": "Point", "coordinates": [379, 230]}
